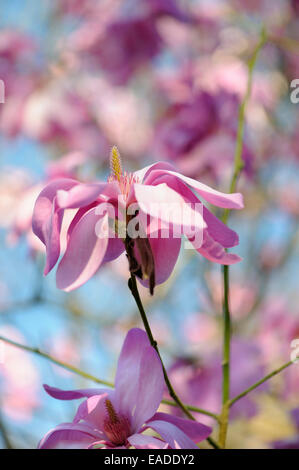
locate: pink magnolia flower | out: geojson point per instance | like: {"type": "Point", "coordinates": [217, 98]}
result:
{"type": "Point", "coordinates": [152, 257]}
{"type": "Point", "coordinates": [117, 418]}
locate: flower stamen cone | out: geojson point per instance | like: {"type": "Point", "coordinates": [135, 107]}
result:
{"type": "Point", "coordinates": [115, 163]}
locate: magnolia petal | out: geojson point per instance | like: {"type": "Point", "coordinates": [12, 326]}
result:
{"type": "Point", "coordinates": [128, 369]}
{"type": "Point", "coordinates": [141, 175]}
{"type": "Point", "coordinates": [193, 429]}
{"type": "Point", "coordinates": [165, 204]}
{"type": "Point", "coordinates": [142, 441]}
{"type": "Point", "coordinates": [85, 251]}
{"type": "Point", "coordinates": [72, 394]}
{"type": "Point", "coordinates": [151, 379]}
{"type": "Point", "coordinates": [217, 198]}
{"type": "Point", "coordinates": [80, 195]}
{"type": "Point", "coordinates": [165, 252]}
{"type": "Point", "coordinates": [69, 435]}
{"type": "Point", "coordinates": [217, 229]}
{"type": "Point", "coordinates": [47, 220]}
{"type": "Point", "coordinates": [176, 438]}
{"type": "Point", "coordinates": [93, 411]}
{"type": "Point", "coordinates": [214, 251]}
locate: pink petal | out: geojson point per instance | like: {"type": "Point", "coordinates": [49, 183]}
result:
{"type": "Point", "coordinates": [165, 252]}
{"type": "Point", "coordinates": [219, 231]}
{"type": "Point", "coordinates": [72, 394]}
{"type": "Point", "coordinates": [217, 198]}
{"type": "Point", "coordinates": [115, 248]}
{"type": "Point", "coordinates": [43, 206]}
{"type": "Point", "coordinates": [196, 431]}
{"type": "Point", "coordinates": [85, 252]}
{"type": "Point", "coordinates": [115, 245]}
{"type": "Point", "coordinates": [150, 387]}
{"type": "Point", "coordinates": [128, 368]}
{"type": "Point", "coordinates": [69, 435]}
{"type": "Point", "coordinates": [142, 441]}
{"type": "Point", "coordinates": [93, 411]}
{"type": "Point", "coordinates": [141, 175]}
{"type": "Point", "coordinates": [47, 220]}
{"type": "Point", "coordinates": [165, 204]}
{"type": "Point", "coordinates": [176, 438]}
{"type": "Point", "coordinates": [214, 251]}
{"type": "Point", "coordinates": [80, 195]}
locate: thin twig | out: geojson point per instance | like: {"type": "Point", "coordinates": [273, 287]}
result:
{"type": "Point", "coordinates": [260, 382]}
{"type": "Point", "coordinates": [238, 166]}
{"type": "Point", "coordinates": [134, 289]}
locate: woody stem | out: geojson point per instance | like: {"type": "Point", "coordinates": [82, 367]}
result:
{"type": "Point", "coordinates": [134, 289]}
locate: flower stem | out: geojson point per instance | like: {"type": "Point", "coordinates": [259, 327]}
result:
{"type": "Point", "coordinates": [238, 166]}
{"type": "Point", "coordinates": [81, 373]}
{"type": "Point", "coordinates": [55, 361]}
{"type": "Point", "coordinates": [260, 382]}
{"type": "Point", "coordinates": [134, 289]}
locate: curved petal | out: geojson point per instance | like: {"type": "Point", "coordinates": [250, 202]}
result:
{"type": "Point", "coordinates": [167, 205]}
{"type": "Point", "coordinates": [217, 198]}
{"type": "Point", "coordinates": [80, 195]}
{"type": "Point", "coordinates": [47, 219]}
{"type": "Point", "coordinates": [93, 411]}
{"type": "Point", "coordinates": [150, 387]}
{"type": "Point", "coordinates": [69, 435]}
{"type": "Point", "coordinates": [214, 251]}
{"type": "Point", "coordinates": [141, 175]}
{"type": "Point", "coordinates": [128, 370]}
{"type": "Point", "coordinates": [218, 230]}
{"type": "Point", "coordinates": [176, 438]}
{"type": "Point", "coordinates": [142, 441]}
{"type": "Point", "coordinates": [83, 194]}
{"type": "Point", "coordinates": [85, 251]}
{"type": "Point", "coordinates": [43, 205]}
{"type": "Point", "coordinates": [114, 249]}
{"type": "Point", "coordinates": [165, 252]}
{"type": "Point", "coordinates": [72, 394]}
{"type": "Point", "coordinates": [196, 431]}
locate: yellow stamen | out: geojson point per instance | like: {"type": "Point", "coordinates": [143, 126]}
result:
{"type": "Point", "coordinates": [111, 412]}
{"type": "Point", "coordinates": [115, 163]}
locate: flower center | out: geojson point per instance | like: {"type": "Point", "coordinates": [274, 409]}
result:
{"type": "Point", "coordinates": [117, 427]}
{"type": "Point", "coordinates": [124, 179]}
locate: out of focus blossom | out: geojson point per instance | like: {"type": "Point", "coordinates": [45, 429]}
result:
{"type": "Point", "coordinates": [292, 443]}
{"type": "Point", "coordinates": [199, 383]}
{"type": "Point", "coordinates": [19, 379]}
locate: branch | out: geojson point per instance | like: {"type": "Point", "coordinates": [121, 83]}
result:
{"type": "Point", "coordinates": [260, 382]}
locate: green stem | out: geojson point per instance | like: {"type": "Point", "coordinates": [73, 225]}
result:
{"type": "Point", "coordinates": [52, 359]}
{"type": "Point", "coordinates": [193, 408]}
{"type": "Point", "coordinates": [238, 162]}
{"type": "Point", "coordinates": [238, 166]}
{"type": "Point", "coordinates": [226, 338]}
{"type": "Point", "coordinates": [5, 437]}
{"type": "Point", "coordinates": [260, 382]}
{"type": "Point", "coordinates": [81, 373]}
{"type": "Point", "coordinates": [134, 289]}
